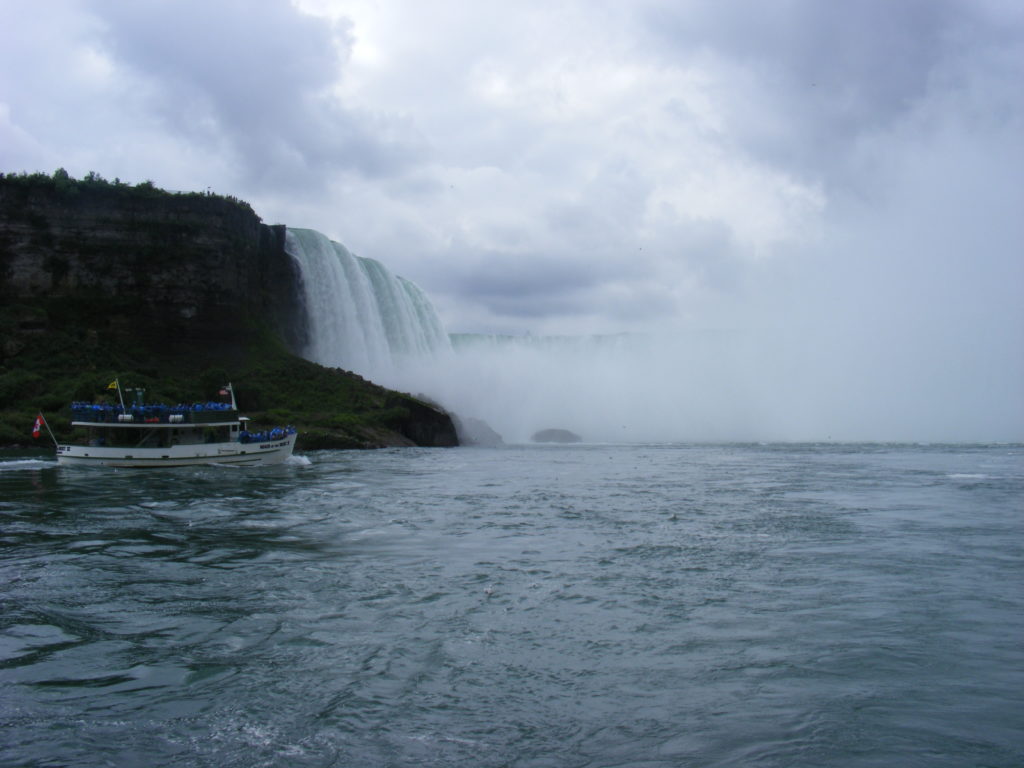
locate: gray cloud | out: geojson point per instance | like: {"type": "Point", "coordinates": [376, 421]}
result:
{"type": "Point", "coordinates": [258, 83]}
{"type": "Point", "coordinates": [814, 77]}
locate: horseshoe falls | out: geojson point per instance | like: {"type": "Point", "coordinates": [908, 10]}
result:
{"type": "Point", "coordinates": [362, 317]}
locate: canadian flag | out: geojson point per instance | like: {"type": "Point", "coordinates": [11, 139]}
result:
{"type": "Point", "coordinates": [39, 425]}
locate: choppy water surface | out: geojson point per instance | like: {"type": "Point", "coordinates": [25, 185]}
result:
{"type": "Point", "coordinates": [531, 606]}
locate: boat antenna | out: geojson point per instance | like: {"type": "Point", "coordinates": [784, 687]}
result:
{"type": "Point", "coordinates": [231, 391]}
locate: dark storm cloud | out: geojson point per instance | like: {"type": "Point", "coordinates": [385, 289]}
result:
{"type": "Point", "coordinates": [258, 83]}
{"type": "Point", "coordinates": [818, 75]}
{"type": "Point", "coordinates": [534, 286]}
{"type": "Point", "coordinates": [497, 276]}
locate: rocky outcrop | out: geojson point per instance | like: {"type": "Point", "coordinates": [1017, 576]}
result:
{"type": "Point", "coordinates": [424, 424]}
{"type": "Point", "coordinates": [556, 436]}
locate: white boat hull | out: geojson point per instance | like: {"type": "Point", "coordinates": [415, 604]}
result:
{"type": "Point", "coordinates": [243, 454]}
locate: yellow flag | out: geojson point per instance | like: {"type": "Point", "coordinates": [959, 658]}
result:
{"type": "Point", "coordinates": [112, 385]}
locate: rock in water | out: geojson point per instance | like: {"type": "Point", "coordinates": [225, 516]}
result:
{"type": "Point", "coordinates": [556, 436]}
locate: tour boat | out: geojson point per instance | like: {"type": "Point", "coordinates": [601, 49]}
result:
{"type": "Point", "coordinates": [171, 436]}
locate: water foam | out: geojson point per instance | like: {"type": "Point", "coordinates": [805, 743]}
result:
{"type": "Point", "coordinates": [20, 464]}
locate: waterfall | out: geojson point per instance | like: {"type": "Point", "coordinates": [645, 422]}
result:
{"type": "Point", "coordinates": [361, 316]}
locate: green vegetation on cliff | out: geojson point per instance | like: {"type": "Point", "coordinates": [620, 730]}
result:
{"type": "Point", "coordinates": [101, 280]}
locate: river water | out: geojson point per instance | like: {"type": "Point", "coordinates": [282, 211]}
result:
{"type": "Point", "coordinates": [541, 606]}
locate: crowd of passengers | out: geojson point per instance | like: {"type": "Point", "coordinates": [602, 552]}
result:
{"type": "Point", "coordinates": [160, 414]}
{"type": "Point", "coordinates": [277, 433]}
{"type": "Point", "coordinates": [152, 414]}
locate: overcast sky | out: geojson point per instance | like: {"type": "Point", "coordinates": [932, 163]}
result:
{"type": "Point", "coordinates": [850, 174]}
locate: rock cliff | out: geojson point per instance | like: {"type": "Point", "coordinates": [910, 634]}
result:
{"type": "Point", "coordinates": [185, 268]}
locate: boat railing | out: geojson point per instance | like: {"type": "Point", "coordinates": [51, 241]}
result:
{"type": "Point", "coordinates": [194, 413]}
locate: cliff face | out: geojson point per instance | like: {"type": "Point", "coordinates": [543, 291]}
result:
{"type": "Point", "coordinates": [188, 268]}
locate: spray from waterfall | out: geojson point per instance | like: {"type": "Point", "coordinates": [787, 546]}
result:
{"type": "Point", "coordinates": [365, 319]}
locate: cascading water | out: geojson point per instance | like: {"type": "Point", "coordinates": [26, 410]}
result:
{"type": "Point", "coordinates": [362, 317]}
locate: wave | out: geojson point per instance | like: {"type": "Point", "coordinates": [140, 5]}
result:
{"type": "Point", "coordinates": [19, 464]}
